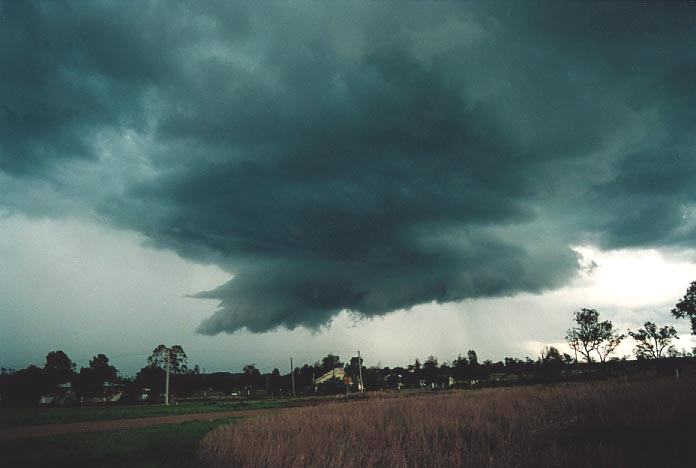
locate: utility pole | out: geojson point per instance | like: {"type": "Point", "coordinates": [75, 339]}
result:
{"type": "Point", "coordinates": [166, 381]}
{"type": "Point", "coordinates": [362, 384]}
{"type": "Point", "coordinates": [292, 376]}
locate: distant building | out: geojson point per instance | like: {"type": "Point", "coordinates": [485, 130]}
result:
{"type": "Point", "coordinates": [333, 381]}
{"type": "Point", "coordinates": [338, 373]}
{"type": "Point", "coordinates": [61, 396]}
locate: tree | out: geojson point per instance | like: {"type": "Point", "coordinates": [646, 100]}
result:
{"type": "Point", "coordinates": [177, 358]}
{"type": "Point", "coordinates": [590, 335]}
{"type": "Point", "coordinates": [460, 366]}
{"type": "Point", "coordinates": [430, 363]}
{"type": "Point", "coordinates": [90, 381]}
{"type": "Point", "coordinates": [514, 365]}
{"type": "Point", "coordinates": [611, 341]}
{"type": "Point", "coordinates": [150, 377]}
{"type": "Point", "coordinates": [22, 388]}
{"type": "Point", "coordinates": [687, 307]}
{"type": "Point", "coordinates": [430, 366]}
{"type": "Point", "coordinates": [353, 368]}
{"type": "Point", "coordinates": [251, 377]}
{"type": "Point", "coordinates": [550, 364]}
{"type": "Point", "coordinates": [416, 366]}
{"type": "Point", "coordinates": [276, 381]}
{"type": "Point", "coordinates": [87, 384]}
{"type": "Point", "coordinates": [473, 358]}
{"type": "Point", "coordinates": [330, 362]}
{"type": "Point", "coordinates": [58, 368]}
{"type": "Point", "coordinates": [103, 371]}
{"type": "Point", "coordinates": [652, 342]}
{"type": "Point", "coordinates": [550, 354]}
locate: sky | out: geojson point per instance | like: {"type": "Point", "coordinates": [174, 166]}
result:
{"type": "Point", "coordinates": [262, 180]}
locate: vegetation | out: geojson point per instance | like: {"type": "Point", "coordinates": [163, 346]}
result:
{"type": "Point", "coordinates": [686, 307]}
{"type": "Point", "coordinates": [571, 425]}
{"type": "Point", "coordinates": [10, 417]}
{"type": "Point", "coordinates": [172, 356]}
{"type": "Point", "coordinates": [592, 336]}
{"type": "Point", "coordinates": [591, 340]}
{"type": "Point", "coordinates": [564, 424]}
{"type": "Point", "coordinates": [651, 342]}
{"type": "Point", "coordinates": [170, 446]}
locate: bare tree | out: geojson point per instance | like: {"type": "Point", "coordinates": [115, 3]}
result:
{"type": "Point", "coordinates": [592, 336]}
{"type": "Point", "coordinates": [653, 341]}
{"type": "Point", "coordinates": [611, 341]}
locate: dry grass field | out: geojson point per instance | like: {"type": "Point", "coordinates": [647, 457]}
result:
{"type": "Point", "coordinates": [602, 424]}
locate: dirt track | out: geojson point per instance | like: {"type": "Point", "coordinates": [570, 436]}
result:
{"type": "Point", "coordinates": [22, 432]}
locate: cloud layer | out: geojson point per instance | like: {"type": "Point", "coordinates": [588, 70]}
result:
{"type": "Point", "coordinates": [355, 157]}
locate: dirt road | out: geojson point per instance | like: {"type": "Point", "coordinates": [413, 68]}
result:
{"type": "Point", "coordinates": [23, 432]}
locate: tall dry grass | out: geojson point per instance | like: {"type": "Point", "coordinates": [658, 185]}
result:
{"type": "Point", "coordinates": [612, 424]}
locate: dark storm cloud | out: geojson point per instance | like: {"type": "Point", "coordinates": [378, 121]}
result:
{"type": "Point", "coordinates": [358, 156]}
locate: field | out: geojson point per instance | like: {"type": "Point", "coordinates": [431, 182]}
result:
{"type": "Point", "coordinates": [161, 446]}
{"type": "Point", "coordinates": [608, 424]}
{"type": "Point", "coordinates": [11, 417]}
{"type": "Point", "coordinates": [171, 446]}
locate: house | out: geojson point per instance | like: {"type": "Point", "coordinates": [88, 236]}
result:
{"type": "Point", "coordinates": [333, 381]}
{"type": "Point", "coordinates": [61, 396]}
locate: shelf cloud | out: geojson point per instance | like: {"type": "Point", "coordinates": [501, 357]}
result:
{"type": "Point", "coordinates": [360, 157]}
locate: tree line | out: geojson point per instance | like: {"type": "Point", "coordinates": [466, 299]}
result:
{"type": "Point", "coordinates": [591, 340]}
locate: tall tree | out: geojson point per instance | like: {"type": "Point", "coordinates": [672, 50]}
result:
{"type": "Point", "coordinates": [430, 367]}
{"type": "Point", "coordinates": [687, 307]}
{"type": "Point", "coordinates": [416, 366]}
{"type": "Point", "coordinates": [353, 368]}
{"type": "Point", "coordinates": [59, 368]}
{"type": "Point", "coordinates": [611, 340]}
{"type": "Point", "coordinates": [103, 371]}
{"type": "Point", "coordinates": [550, 354]}
{"type": "Point", "coordinates": [550, 363]}
{"type": "Point", "coordinates": [330, 362]}
{"type": "Point", "coordinates": [90, 381]}
{"type": "Point", "coordinates": [251, 376]}
{"type": "Point", "coordinates": [653, 341]}
{"type": "Point", "coordinates": [176, 355]}
{"type": "Point", "coordinates": [592, 336]}
{"type": "Point", "coordinates": [151, 377]}
{"type": "Point", "coordinates": [430, 363]}
{"type": "Point", "coordinates": [276, 381]}
{"type": "Point", "coordinates": [461, 366]}
{"type": "Point", "coordinates": [473, 358]}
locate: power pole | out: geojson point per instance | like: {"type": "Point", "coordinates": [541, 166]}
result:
{"type": "Point", "coordinates": [166, 382]}
{"type": "Point", "coordinates": [362, 385]}
{"type": "Point", "coordinates": [292, 376]}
